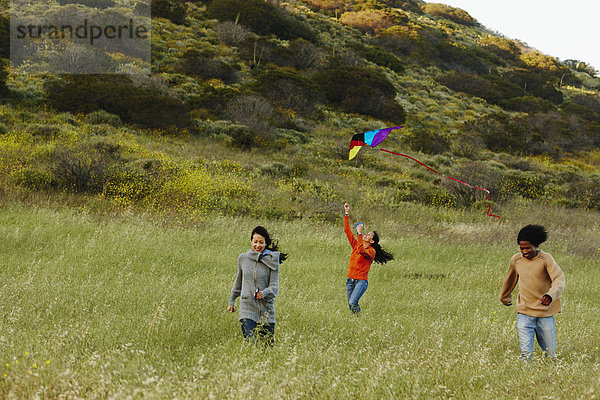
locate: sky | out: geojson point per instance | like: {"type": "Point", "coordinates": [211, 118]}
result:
{"type": "Point", "coordinates": [565, 29]}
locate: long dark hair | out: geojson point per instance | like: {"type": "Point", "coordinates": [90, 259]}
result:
{"type": "Point", "coordinates": [270, 243]}
{"type": "Point", "coordinates": [381, 256]}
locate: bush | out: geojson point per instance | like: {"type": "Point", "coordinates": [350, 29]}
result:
{"type": "Point", "coordinates": [500, 132]}
{"type": "Point", "coordinates": [87, 167]}
{"type": "Point", "coordinates": [276, 170]}
{"type": "Point", "coordinates": [206, 66]}
{"type": "Point", "coordinates": [505, 48]}
{"type": "Point", "coordinates": [231, 33]}
{"type": "Point", "coordinates": [426, 141]}
{"type": "Point", "coordinates": [527, 104]}
{"type": "Point", "coordinates": [460, 58]}
{"type": "Point", "coordinates": [33, 179]}
{"type": "Point", "coordinates": [253, 112]}
{"type": "Point", "coordinates": [381, 57]}
{"type": "Point", "coordinates": [100, 4]}
{"type": "Point", "coordinates": [371, 21]}
{"type": "Point", "coordinates": [116, 95]}
{"type": "Point", "coordinates": [361, 90]}
{"type": "Point", "coordinates": [261, 17]}
{"type": "Point", "coordinates": [103, 117]}
{"type": "Point", "coordinates": [173, 10]}
{"type": "Point", "coordinates": [4, 37]}
{"type": "Point", "coordinates": [453, 14]}
{"type": "Point", "coordinates": [4, 91]}
{"type": "Point", "coordinates": [537, 84]}
{"type": "Point", "coordinates": [473, 85]}
{"type": "Point", "coordinates": [286, 88]}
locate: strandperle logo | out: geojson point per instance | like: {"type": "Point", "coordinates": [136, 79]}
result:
{"type": "Point", "coordinates": [83, 31]}
{"type": "Point", "coordinates": [72, 37]}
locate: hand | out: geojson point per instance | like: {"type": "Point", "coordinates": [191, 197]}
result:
{"type": "Point", "coordinates": [359, 228]}
{"type": "Point", "coordinates": [346, 208]}
{"type": "Point", "coordinates": [230, 309]}
{"type": "Point", "coordinates": [546, 300]}
{"type": "Point", "coordinates": [259, 295]}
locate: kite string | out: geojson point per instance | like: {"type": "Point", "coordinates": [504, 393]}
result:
{"type": "Point", "coordinates": [449, 177]}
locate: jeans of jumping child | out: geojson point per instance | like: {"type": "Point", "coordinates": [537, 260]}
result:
{"type": "Point", "coordinates": [253, 330]}
{"type": "Point", "coordinates": [543, 329]}
{"type": "Point", "coordinates": [355, 288]}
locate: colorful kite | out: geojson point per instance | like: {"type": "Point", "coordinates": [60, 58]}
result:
{"type": "Point", "coordinates": [373, 138]}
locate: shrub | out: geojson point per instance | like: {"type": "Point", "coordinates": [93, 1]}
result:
{"type": "Point", "coordinates": [460, 58]}
{"type": "Point", "coordinates": [426, 141]}
{"type": "Point", "coordinates": [381, 57]}
{"type": "Point", "coordinates": [47, 131]}
{"type": "Point", "coordinates": [371, 21]}
{"type": "Point", "coordinates": [173, 10]}
{"type": "Point", "coordinates": [537, 84]}
{"type": "Point", "coordinates": [116, 95]}
{"type": "Point", "coordinates": [4, 37]}
{"type": "Point", "coordinates": [261, 17]}
{"type": "Point", "coordinates": [500, 132]}
{"type": "Point", "coordinates": [4, 91]}
{"type": "Point", "coordinates": [195, 63]}
{"type": "Point", "coordinates": [33, 179]}
{"type": "Point", "coordinates": [231, 33]}
{"type": "Point", "coordinates": [361, 90]}
{"type": "Point", "coordinates": [330, 7]}
{"type": "Point", "coordinates": [103, 117]}
{"type": "Point", "coordinates": [527, 104]}
{"type": "Point", "coordinates": [87, 167]}
{"type": "Point", "coordinates": [473, 85]}
{"type": "Point", "coordinates": [525, 184]}
{"type": "Point", "coordinates": [505, 48]}
{"type": "Point", "coordinates": [286, 88]}
{"type": "Point", "coordinates": [305, 55]}
{"type": "Point", "coordinates": [276, 170]}
{"type": "Point", "coordinates": [253, 112]}
{"type": "Point", "coordinates": [540, 62]}
{"type": "Point", "coordinates": [101, 4]}
{"type": "Point", "coordinates": [453, 14]}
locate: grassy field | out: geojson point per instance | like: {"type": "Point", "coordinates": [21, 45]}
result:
{"type": "Point", "coordinates": [122, 307]}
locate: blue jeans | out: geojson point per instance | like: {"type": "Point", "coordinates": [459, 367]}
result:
{"type": "Point", "coordinates": [355, 288]}
{"type": "Point", "coordinates": [252, 330]}
{"type": "Point", "coordinates": [543, 329]}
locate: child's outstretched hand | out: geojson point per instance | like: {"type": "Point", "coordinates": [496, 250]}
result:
{"type": "Point", "coordinates": [346, 208]}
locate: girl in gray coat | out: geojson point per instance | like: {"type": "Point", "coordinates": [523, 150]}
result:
{"type": "Point", "coordinates": [257, 282]}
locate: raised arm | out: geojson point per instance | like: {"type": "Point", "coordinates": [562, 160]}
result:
{"type": "Point", "coordinates": [347, 229]}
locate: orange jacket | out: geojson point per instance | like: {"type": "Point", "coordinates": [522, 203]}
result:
{"type": "Point", "coordinates": [361, 258]}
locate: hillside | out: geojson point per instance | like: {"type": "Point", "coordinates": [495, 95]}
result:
{"type": "Point", "coordinates": [251, 105]}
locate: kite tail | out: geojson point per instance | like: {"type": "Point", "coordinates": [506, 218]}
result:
{"type": "Point", "coordinates": [451, 178]}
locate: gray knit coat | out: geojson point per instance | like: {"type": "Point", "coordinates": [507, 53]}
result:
{"type": "Point", "coordinates": [256, 272]}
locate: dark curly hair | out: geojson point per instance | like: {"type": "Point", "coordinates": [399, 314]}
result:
{"type": "Point", "coordinates": [270, 244]}
{"type": "Point", "coordinates": [534, 234]}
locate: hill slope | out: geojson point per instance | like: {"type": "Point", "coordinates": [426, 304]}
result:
{"type": "Point", "coordinates": [280, 87]}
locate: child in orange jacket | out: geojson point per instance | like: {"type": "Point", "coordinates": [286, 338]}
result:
{"type": "Point", "coordinates": [365, 250]}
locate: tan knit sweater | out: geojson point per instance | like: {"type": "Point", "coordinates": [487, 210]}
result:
{"type": "Point", "coordinates": [537, 277]}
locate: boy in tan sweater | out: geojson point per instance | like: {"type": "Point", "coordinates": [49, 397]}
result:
{"type": "Point", "coordinates": [541, 282]}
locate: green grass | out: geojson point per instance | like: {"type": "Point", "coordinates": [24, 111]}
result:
{"type": "Point", "coordinates": [121, 307]}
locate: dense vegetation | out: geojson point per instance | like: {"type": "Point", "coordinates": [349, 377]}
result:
{"type": "Point", "coordinates": [255, 101]}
